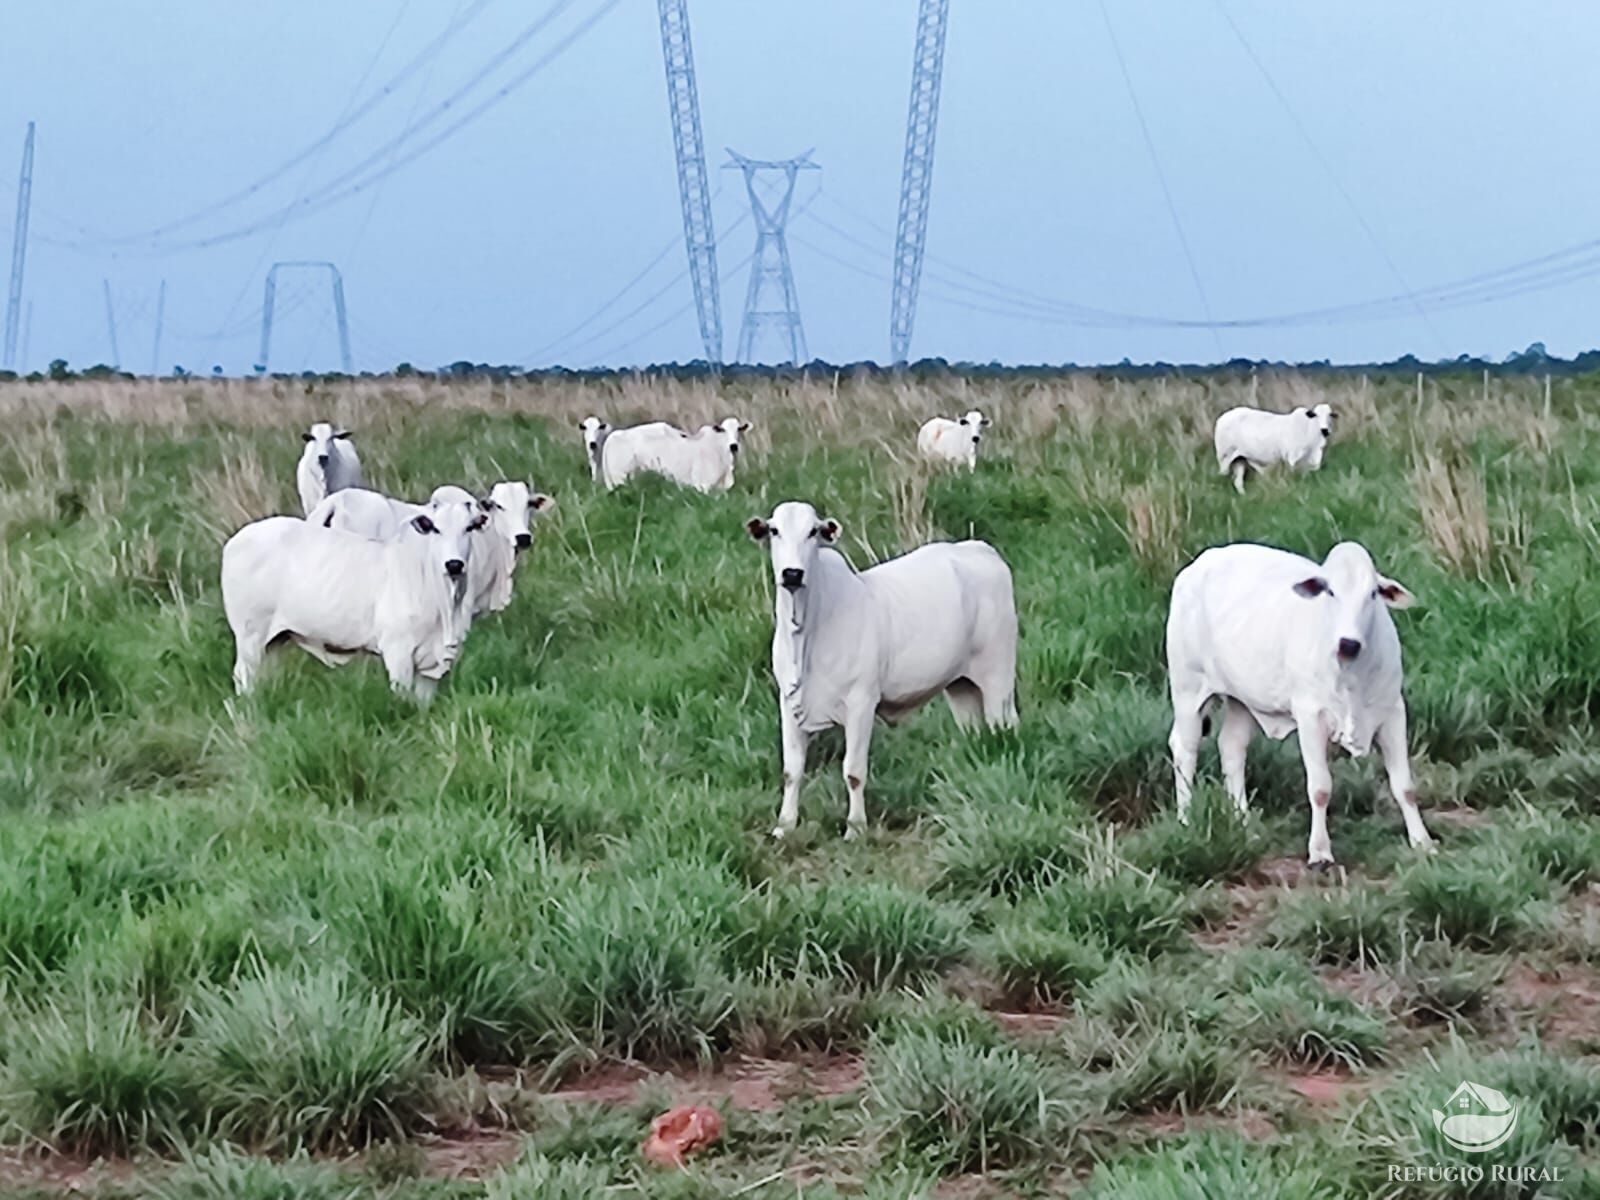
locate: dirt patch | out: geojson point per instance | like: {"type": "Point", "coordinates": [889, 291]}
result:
{"type": "Point", "coordinates": [1247, 1122]}
{"type": "Point", "coordinates": [66, 1172]}
{"type": "Point", "coordinates": [1458, 817]}
{"type": "Point", "coordinates": [1564, 999]}
{"type": "Point", "coordinates": [1030, 1024]}
{"type": "Point", "coordinates": [757, 1084]}
{"type": "Point", "coordinates": [1325, 1087]}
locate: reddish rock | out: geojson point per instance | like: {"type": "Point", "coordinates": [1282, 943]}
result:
{"type": "Point", "coordinates": [680, 1132]}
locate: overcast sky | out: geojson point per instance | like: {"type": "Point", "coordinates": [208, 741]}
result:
{"type": "Point", "coordinates": [1413, 144]}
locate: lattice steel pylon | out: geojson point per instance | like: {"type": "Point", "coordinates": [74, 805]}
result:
{"type": "Point", "coordinates": [19, 252]}
{"type": "Point", "coordinates": [694, 192]}
{"type": "Point", "coordinates": [269, 298]}
{"type": "Point", "coordinates": [769, 267]}
{"type": "Point", "coordinates": [916, 176]}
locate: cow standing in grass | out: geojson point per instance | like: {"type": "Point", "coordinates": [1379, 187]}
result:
{"type": "Point", "coordinates": [337, 594]}
{"type": "Point", "coordinates": [1248, 438]}
{"type": "Point", "coordinates": [1288, 644]}
{"type": "Point", "coordinates": [942, 440]}
{"type": "Point", "coordinates": [703, 460]}
{"type": "Point", "coordinates": [328, 464]}
{"type": "Point", "coordinates": [848, 647]}
{"type": "Point", "coordinates": [595, 432]}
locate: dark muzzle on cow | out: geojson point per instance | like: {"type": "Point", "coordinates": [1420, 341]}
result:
{"type": "Point", "coordinates": [1349, 649]}
{"type": "Point", "coordinates": [524, 540]}
{"type": "Point", "coordinates": [322, 460]}
{"type": "Point", "coordinates": [1327, 433]}
{"type": "Point", "coordinates": [454, 567]}
{"type": "Point", "coordinates": [793, 578]}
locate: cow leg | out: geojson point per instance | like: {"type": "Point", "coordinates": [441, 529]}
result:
{"type": "Point", "coordinates": [857, 741]}
{"type": "Point", "coordinates": [966, 702]}
{"type": "Point", "coordinates": [247, 653]}
{"type": "Point", "coordinates": [1238, 727]}
{"type": "Point", "coordinates": [1319, 786]}
{"type": "Point", "coordinates": [402, 668]}
{"type": "Point", "coordinates": [1392, 745]}
{"type": "Point", "coordinates": [1185, 743]}
{"type": "Point", "coordinates": [424, 688]}
{"type": "Point", "coordinates": [1237, 470]}
{"type": "Point", "coordinates": [795, 741]}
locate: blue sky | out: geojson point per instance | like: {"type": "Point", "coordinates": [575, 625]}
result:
{"type": "Point", "coordinates": [1415, 144]}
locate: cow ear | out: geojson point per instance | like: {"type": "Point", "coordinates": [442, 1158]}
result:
{"type": "Point", "coordinates": [342, 434]}
{"type": "Point", "coordinates": [1394, 594]}
{"type": "Point", "coordinates": [423, 523]}
{"type": "Point", "coordinates": [539, 501]}
{"type": "Point", "coordinates": [1312, 587]}
{"type": "Point", "coordinates": [306, 437]}
{"type": "Point", "coordinates": [829, 530]}
{"type": "Point", "coordinates": [757, 528]}
{"type": "Point", "coordinates": [487, 504]}
{"type": "Point", "coordinates": [744, 426]}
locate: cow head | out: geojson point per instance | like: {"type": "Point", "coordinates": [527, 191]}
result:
{"type": "Point", "coordinates": [1323, 416]}
{"type": "Point", "coordinates": [793, 534]}
{"type": "Point", "coordinates": [972, 424]}
{"type": "Point", "coordinates": [512, 505]}
{"type": "Point", "coordinates": [728, 430]}
{"type": "Point", "coordinates": [447, 525]}
{"type": "Point", "coordinates": [594, 432]}
{"type": "Point", "coordinates": [1352, 593]}
{"type": "Point", "coordinates": [319, 440]}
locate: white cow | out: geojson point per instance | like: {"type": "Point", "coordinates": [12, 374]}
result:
{"type": "Point", "coordinates": [703, 459]}
{"type": "Point", "coordinates": [942, 440]}
{"type": "Point", "coordinates": [512, 506]}
{"type": "Point", "coordinates": [848, 647]}
{"type": "Point", "coordinates": [336, 594]}
{"type": "Point", "coordinates": [595, 432]}
{"type": "Point", "coordinates": [1289, 644]}
{"type": "Point", "coordinates": [1248, 437]}
{"type": "Point", "coordinates": [327, 464]}
{"type": "Point", "coordinates": [361, 510]}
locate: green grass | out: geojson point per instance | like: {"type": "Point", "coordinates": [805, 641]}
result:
{"type": "Point", "coordinates": [242, 941]}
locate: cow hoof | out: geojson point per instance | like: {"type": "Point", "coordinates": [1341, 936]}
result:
{"type": "Point", "coordinates": [1425, 845]}
{"type": "Point", "coordinates": [779, 832]}
{"type": "Point", "coordinates": [1322, 864]}
{"type": "Point", "coordinates": [852, 832]}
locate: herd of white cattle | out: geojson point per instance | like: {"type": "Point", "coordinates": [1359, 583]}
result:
{"type": "Point", "coordinates": [1280, 642]}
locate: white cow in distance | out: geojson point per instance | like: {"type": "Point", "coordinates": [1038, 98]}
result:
{"type": "Point", "coordinates": [942, 440]}
{"type": "Point", "coordinates": [336, 594]}
{"type": "Point", "coordinates": [1288, 644]}
{"type": "Point", "coordinates": [703, 460]}
{"type": "Point", "coordinates": [594, 431]}
{"type": "Point", "coordinates": [1250, 438]}
{"type": "Point", "coordinates": [848, 647]}
{"type": "Point", "coordinates": [328, 464]}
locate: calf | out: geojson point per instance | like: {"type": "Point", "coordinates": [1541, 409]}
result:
{"type": "Point", "coordinates": [1289, 644]}
{"type": "Point", "coordinates": [703, 460]}
{"type": "Point", "coordinates": [849, 647]}
{"type": "Point", "coordinates": [1248, 437]}
{"type": "Point", "coordinates": [512, 506]}
{"type": "Point", "coordinates": [328, 464]}
{"type": "Point", "coordinates": [942, 440]}
{"type": "Point", "coordinates": [336, 594]}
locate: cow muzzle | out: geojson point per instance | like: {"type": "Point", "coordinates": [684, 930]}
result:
{"type": "Point", "coordinates": [793, 578]}
{"type": "Point", "coordinates": [322, 460]}
{"type": "Point", "coordinates": [1349, 649]}
{"type": "Point", "coordinates": [524, 540]}
{"type": "Point", "coordinates": [454, 568]}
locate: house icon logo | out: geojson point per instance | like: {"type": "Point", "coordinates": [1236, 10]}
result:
{"type": "Point", "coordinates": [1476, 1118]}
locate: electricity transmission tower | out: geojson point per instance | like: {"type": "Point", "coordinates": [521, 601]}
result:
{"type": "Point", "coordinates": [161, 314]}
{"type": "Point", "coordinates": [270, 296]}
{"type": "Point", "coordinates": [769, 268]}
{"type": "Point", "coordinates": [916, 176]}
{"type": "Point", "coordinates": [19, 252]}
{"type": "Point", "coordinates": [699, 239]}
{"type": "Point", "coordinates": [111, 324]}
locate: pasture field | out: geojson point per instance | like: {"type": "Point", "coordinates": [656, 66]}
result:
{"type": "Point", "coordinates": [322, 943]}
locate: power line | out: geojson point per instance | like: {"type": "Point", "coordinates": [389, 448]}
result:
{"type": "Point", "coordinates": [1161, 175]}
{"type": "Point", "coordinates": [348, 117]}
{"type": "Point", "coordinates": [1327, 167]}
